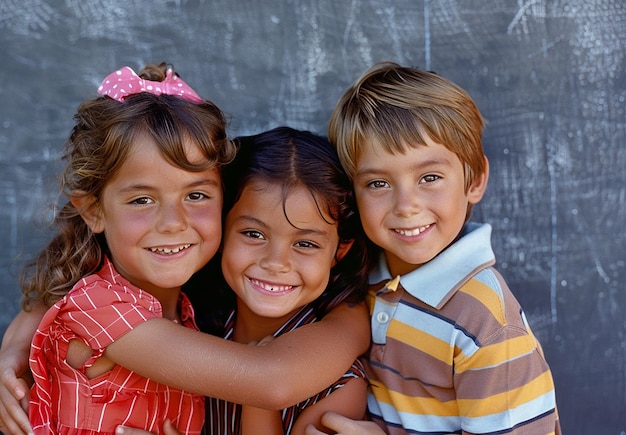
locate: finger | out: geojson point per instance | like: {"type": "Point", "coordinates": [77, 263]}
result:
{"type": "Point", "coordinates": [265, 340]}
{"type": "Point", "coordinates": [169, 429]}
{"type": "Point", "coordinates": [125, 430]}
{"type": "Point", "coordinates": [342, 425]}
{"type": "Point", "coordinates": [16, 386]}
{"type": "Point", "coordinates": [10, 426]}
{"type": "Point", "coordinates": [337, 422]}
{"type": "Point", "coordinates": [13, 413]}
{"type": "Point", "coordinates": [312, 430]}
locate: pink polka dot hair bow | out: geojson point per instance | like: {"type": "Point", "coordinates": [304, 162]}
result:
{"type": "Point", "coordinates": [124, 82]}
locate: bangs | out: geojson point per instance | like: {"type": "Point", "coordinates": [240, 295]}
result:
{"type": "Point", "coordinates": [394, 129]}
{"type": "Point", "coordinates": [171, 128]}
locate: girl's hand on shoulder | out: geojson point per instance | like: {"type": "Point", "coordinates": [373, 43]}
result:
{"type": "Point", "coordinates": [341, 425]}
{"type": "Point", "coordinates": [168, 429]}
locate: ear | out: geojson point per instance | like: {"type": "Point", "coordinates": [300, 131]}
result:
{"type": "Point", "coordinates": [479, 185]}
{"type": "Point", "coordinates": [342, 250]}
{"type": "Point", "coordinates": [87, 206]}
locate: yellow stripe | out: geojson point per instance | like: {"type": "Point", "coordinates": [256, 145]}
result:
{"type": "Point", "coordinates": [421, 340]}
{"type": "Point", "coordinates": [486, 296]}
{"type": "Point", "coordinates": [498, 353]}
{"type": "Point", "coordinates": [473, 408]}
{"type": "Point", "coordinates": [414, 405]}
{"type": "Point", "coordinates": [504, 401]}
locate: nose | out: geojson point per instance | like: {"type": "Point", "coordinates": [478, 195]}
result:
{"type": "Point", "coordinates": [406, 201]}
{"type": "Point", "coordinates": [172, 218]}
{"type": "Point", "coordinates": [275, 258]}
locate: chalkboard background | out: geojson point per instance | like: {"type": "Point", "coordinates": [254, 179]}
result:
{"type": "Point", "coordinates": [549, 77]}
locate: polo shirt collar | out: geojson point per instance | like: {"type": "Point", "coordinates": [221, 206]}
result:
{"type": "Point", "coordinates": [435, 282]}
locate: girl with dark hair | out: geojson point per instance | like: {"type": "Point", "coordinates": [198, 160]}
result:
{"type": "Point", "coordinates": [292, 251]}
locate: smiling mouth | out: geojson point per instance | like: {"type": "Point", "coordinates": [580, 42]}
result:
{"type": "Point", "coordinates": [412, 232]}
{"type": "Point", "coordinates": [170, 251]}
{"type": "Point", "coordinates": [271, 287]}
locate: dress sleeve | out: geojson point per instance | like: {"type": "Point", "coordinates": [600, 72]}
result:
{"type": "Point", "coordinates": [100, 312]}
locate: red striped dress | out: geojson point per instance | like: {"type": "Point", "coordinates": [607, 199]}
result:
{"type": "Point", "coordinates": [98, 310]}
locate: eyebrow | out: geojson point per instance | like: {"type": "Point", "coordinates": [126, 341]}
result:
{"type": "Point", "coordinates": [372, 170]}
{"type": "Point", "coordinates": [301, 231]}
{"type": "Point", "coordinates": [206, 181]}
{"type": "Point", "coordinates": [202, 182]}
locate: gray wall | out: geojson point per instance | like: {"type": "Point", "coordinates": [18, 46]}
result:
{"type": "Point", "coordinates": [549, 77]}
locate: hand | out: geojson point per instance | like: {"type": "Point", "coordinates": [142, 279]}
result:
{"type": "Point", "coordinates": [14, 396]}
{"type": "Point", "coordinates": [168, 429]}
{"type": "Point", "coordinates": [341, 425]}
{"type": "Point", "coordinates": [15, 377]}
{"type": "Point", "coordinates": [265, 340]}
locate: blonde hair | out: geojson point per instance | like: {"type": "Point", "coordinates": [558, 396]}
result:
{"type": "Point", "coordinates": [103, 134]}
{"type": "Point", "coordinates": [397, 107]}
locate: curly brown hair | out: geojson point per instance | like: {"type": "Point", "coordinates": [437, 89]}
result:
{"type": "Point", "coordinates": [101, 138]}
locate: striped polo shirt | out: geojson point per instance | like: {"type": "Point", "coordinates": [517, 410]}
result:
{"type": "Point", "coordinates": [452, 351]}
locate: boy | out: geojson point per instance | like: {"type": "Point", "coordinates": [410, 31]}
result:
{"type": "Point", "coordinates": [451, 349]}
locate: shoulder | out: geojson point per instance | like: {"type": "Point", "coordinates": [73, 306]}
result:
{"type": "Point", "coordinates": [95, 292]}
{"type": "Point", "coordinates": [105, 288]}
{"type": "Point", "coordinates": [484, 310]}
{"type": "Point", "coordinates": [103, 306]}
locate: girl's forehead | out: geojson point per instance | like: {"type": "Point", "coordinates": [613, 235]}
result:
{"type": "Point", "coordinates": [288, 197]}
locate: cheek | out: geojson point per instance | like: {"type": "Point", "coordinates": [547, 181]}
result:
{"type": "Point", "coordinates": [371, 213]}
{"type": "Point", "coordinates": [316, 268]}
{"type": "Point", "coordinates": [230, 267]}
{"type": "Point", "coordinates": [368, 207]}
{"type": "Point", "coordinates": [209, 220]}
{"type": "Point", "coordinates": [128, 227]}
{"type": "Point", "coordinates": [450, 204]}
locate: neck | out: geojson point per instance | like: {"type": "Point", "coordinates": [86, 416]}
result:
{"type": "Point", "coordinates": [250, 327]}
{"type": "Point", "coordinates": [169, 302]}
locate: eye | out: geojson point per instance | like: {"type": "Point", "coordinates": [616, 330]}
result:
{"type": "Point", "coordinates": [253, 234]}
{"type": "Point", "coordinates": [197, 196]}
{"type": "Point", "coordinates": [377, 184]}
{"type": "Point", "coordinates": [430, 178]}
{"type": "Point", "coordinates": [144, 200]}
{"type": "Point", "coordinates": [306, 244]}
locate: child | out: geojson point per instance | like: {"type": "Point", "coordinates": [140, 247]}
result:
{"type": "Point", "coordinates": [129, 240]}
{"type": "Point", "coordinates": [292, 250]}
{"type": "Point", "coordinates": [452, 351]}
{"type": "Point", "coordinates": [194, 362]}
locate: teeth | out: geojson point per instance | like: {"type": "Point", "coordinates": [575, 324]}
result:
{"type": "Point", "coordinates": [413, 232]}
{"type": "Point", "coordinates": [168, 251]}
{"type": "Point", "coordinates": [271, 288]}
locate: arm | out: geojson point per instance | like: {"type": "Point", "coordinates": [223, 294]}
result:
{"type": "Point", "coordinates": [349, 401]}
{"type": "Point", "coordinates": [253, 418]}
{"type": "Point", "coordinates": [14, 373]}
{"type": "Point", "coordinates": [240, 373]}
{"type": "Point", "coordinates": [257, 421]}
{"type": "Point", "coordinates": [341, 425]}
